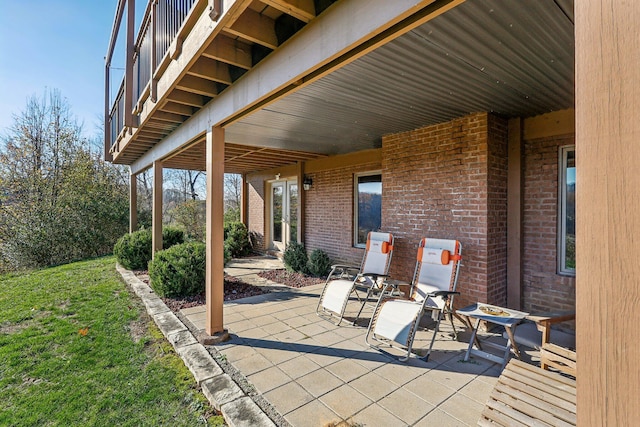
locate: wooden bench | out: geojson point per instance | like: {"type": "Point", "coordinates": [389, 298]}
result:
{"type": "Point", "coordinates": [553, 345]}
{"type": "Point", "coordinates": [526, 395]}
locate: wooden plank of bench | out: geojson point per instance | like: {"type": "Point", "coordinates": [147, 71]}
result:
{"type": "Point", "coordinates": [529, 396]}
{"type": "Point", "coordinates": [559, 358]}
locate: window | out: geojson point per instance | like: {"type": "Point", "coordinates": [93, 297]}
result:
{"type": "Point", "coordinates": [567, 211]}
{"type": "Point", "coordinates": [368, 206]}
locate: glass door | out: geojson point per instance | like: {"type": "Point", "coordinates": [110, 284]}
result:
{"type": "Point", "coordinates": [284, 213]}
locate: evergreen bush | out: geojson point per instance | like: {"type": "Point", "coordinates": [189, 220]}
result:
{"type": "Point", "coordinates": [319, 263]}
{"type": "Point", "coordinates": [295, 257]}
{"type": "Point", "coordinates": [171, 236]}
{"type": "Point", "coordinates": [237, 239]}
{"type": "Point", "coordinates": [133, 251]}
{"type": "Point", "coordinates": [179, 271]}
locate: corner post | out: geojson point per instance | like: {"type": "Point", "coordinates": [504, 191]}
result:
{"type": "Point", "coordinates": [214, 284]}
{"type": "Point", "coordinates": [156, 215]}
{"type": "Point", "coordinates": [607, 206]}
{"type": "Point", "coordinates": [514, 214]}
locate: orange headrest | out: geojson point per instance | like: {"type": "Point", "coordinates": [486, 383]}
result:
{"type": "Point", "coordinates": [435, 256]}
{"type": "Point", "coordinates": [379, 246]}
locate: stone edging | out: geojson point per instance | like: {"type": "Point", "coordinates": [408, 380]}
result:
{"type": "Point", "coordinates": [237, 408]}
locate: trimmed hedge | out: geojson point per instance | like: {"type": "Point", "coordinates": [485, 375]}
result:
{"type": "Point", "coordinates": [133, 251]}
{"type": "Point", "coordinates": [179, 271]}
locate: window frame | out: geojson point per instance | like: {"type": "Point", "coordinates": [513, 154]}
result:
{"type": "Point", "coordinates": [356, 194]}
{"type": "Point", "coordinates": [563, 154]}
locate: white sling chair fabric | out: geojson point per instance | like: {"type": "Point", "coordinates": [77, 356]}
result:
{"type": "Point", "coordinates": [396, 320]}
{"type": "Point", "coordinates": [343, 280]}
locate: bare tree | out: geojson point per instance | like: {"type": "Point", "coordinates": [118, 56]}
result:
{"type": "Point", "coordinates": [232, 191]}
{"type": "Point", "coordinates": [58, 200]}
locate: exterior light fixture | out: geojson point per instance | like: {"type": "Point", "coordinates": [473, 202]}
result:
{"type": "Point", "coordinates": [306, 183]}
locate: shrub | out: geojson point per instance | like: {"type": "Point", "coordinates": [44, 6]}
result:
{"type": "Point", "coordinates": [236, 239]}
{"type": "Point", "coordinates": [133, 251]}
{"type": "Point", "coordinates": [295, 257]}
{"type": "Point", "coordinates": [190, 216]}
{"type": "Point", "coordinates": [171, 236]}
{"type": "Point", "coordinates": [319, 263]}
{"type": "Point", "coordinates": [227, 255]}
{"type": "Point", "coordinates": [179, 271]}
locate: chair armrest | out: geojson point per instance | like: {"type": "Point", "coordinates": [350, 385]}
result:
{"type": "Point", "coordinates": [344, 267]}
{"type": "Point", "coordinates": [375, 275]}
{"type": "Point", "coordinates": [444, 294]}
{"type": "Point", "coordinates": [342, 270]}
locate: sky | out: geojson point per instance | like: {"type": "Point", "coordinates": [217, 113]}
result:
{"type": "Point", "coordinates": [55, 44]}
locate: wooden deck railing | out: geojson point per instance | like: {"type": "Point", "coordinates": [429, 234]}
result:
{"type": "Point", "coordinates": [116, 118]}
{"type": "Point", "coordinates": [170, 16]}
{"type": "Point", "coordinates": [160, 25]}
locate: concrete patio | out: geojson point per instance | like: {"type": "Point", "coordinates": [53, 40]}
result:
{"type": "Point", "coordinates": [314, 372]}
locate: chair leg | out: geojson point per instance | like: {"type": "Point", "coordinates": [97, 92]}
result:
{"type": "Point", "coordinates": [366, 298]}
{"type": "Point", "coordinates": [455, 332]}
{"type": "Point", "coordinates": [433, 337]}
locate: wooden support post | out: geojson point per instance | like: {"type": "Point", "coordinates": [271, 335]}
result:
{"type": "Point", "coordinates": [156, 214]}
{"type": "Point", "coordinates": [133, 203]}
{"type": "Point", "coordinates": [108, 157]}
{"type": "Point", "coordinates": [607, 212]}
{"type": "Point", "coordinates": [514, 214]}
{"type": "Point", "coordinates": [215, 237]}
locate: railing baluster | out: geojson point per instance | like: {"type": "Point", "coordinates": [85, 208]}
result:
{"type": "Point", "coordinates": [170, 15]}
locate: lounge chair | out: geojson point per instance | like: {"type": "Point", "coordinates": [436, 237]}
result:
{"type": "Point", "coordinates": [345, 280]}
{"type": "Point", "coordinates": [395, 320]}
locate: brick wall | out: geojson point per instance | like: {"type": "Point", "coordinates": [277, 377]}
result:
{"type": "Point", "coordinates": [449, 181]}
{"type": "Point", "coordinates": [329, 213]}
{"type": "Point", "coordinates": [446, 181]}
{"type": "Point", "coordinates": [543, 289]}
{"type": "Point", "coordinates": [256, 210]}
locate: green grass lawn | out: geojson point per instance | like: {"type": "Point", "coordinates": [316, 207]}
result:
{"type": "Point", "coordinates": [77, 349]}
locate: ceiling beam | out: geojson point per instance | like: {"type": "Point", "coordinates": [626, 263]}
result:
{"type": "Point", "coordinates": [234, 52]}
{"type": "Point", "coordinates": [211, 69]}
{"type": "Point", "coordinates": [255, 28]}
{"type": "Point", "coordinates": [186, 98]}
{"type": "Point", "coordinates": [168, 117]}
{"type": "Point", "coordinates": [303, 10]}
{"type": "Point", "coordinates": [172, 107]}
{"type": "Point", "coordinates": [198, 85]}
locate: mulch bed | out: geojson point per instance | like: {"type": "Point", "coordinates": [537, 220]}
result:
{"type": "Point", "coordinates": [290, 278]}
{"type": "Point", "coordinates": [235, 288]}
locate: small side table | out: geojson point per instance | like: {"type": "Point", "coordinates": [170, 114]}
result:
{"type": "Point", "coordinates": [505, 317]}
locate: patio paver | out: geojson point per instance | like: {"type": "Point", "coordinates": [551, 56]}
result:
{"type": "Point", "coordinates": [314, 372]}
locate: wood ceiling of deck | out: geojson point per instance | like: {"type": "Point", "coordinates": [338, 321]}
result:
{"type": "Point", "coordinates": [237, 158]}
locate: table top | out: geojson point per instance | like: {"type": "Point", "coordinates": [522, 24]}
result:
{"type": "Point", "coordinates": [493, 313]}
